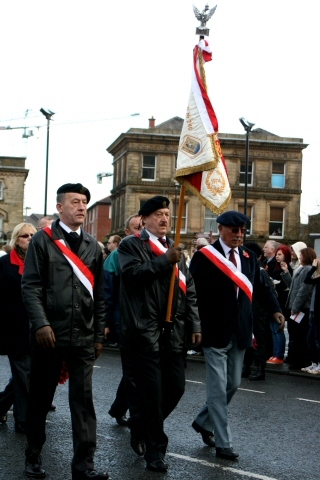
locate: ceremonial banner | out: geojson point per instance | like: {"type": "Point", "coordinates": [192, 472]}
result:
{"type": "Point", "coordinates": [200, 163]}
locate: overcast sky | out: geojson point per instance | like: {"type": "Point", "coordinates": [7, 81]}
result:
{"type": "Point", "coordinates": [96, 63]}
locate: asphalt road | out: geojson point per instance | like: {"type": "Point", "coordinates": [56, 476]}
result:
{"type": "Point", "coordinates": [275, 427]}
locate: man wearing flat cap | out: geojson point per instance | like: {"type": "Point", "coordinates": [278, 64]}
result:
{"type": "Point", "coordinates": [62, 289]}
{"type": "Point", "coordinates": [153, 354]}
{"type": "Point", "coordinates": [226, 275]}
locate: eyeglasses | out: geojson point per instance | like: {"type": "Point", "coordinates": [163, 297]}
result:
{"type": "Point", "coordinates": [236, 230]}
{"type": "Point", "coordinates": [108, 243]}
{"type": "Point", "coordinates": [26, 235]}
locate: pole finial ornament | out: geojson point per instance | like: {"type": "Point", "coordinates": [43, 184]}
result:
{"type": "Point", "coordinates": [203, 17]}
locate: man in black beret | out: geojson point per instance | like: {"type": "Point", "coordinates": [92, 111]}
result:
{"type": "Point", "coordinates": [225, 275]}
{"type": "Point", "coordinates": [152, 354]}
{"type": "Point", "coordinates": [62, 289]}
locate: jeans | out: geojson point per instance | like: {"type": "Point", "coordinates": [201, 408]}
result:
{"type": "Point", "coordinates": [223, 377]}
{"type": "Point", "coordinates": [279, 340]}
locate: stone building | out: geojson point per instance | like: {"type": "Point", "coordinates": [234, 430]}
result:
{"type": "Point", "coordinates": [144, 162]}
{"type": "Point", "coordinates": [13, 175]}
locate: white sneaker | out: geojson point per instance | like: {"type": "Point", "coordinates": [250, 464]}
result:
{"type": "Point", "coordinates": [316, 370]}
{"type": "Point", "coordinates": [310, 368]}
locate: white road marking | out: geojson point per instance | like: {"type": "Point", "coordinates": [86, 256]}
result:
{"type": "Point", "coordinates": [248, 390]}
{"type": "Point", "coordinates": [307, 400]}
{"type": "Point", "coordinates": [193, 381]}
{"type": "Point", "coordinates": [96, 366]}
{"type": "Point", "coordinates": [226, 469]}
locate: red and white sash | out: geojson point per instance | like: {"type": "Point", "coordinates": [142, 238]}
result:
{"type": "Point", "coordinates": [158, 249]}
{"type": "Point", "coordinates": [79, 268]}
{"type": "Point", "coordinates": [229, 269]}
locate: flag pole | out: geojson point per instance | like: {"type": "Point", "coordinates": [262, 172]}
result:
{"type": "Point", "coordinates": [176, 244]}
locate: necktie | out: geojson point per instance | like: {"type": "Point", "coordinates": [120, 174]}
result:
{"type": "Point", "coordinates": [163, 241]}
{"type": "Point", "coordinates": [232, 258]}
{"type": "Point", "coordinates": [74, 235]}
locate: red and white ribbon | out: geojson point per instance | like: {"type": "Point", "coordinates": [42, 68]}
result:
{"type": "Point", "coordinates": [160, 250]}
{"type": "Point", "coordinates": [79, 268]}
{"type": "Point", "coordinates": [229, 269]}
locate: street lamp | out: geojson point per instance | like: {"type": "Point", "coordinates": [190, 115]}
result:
{"type": "Point", "coordinates": [48, 114]}
{"type": "Point", "coordinates": [248, 127]}
{"type": "Point", "coordinates": [101, 175]}
{"type": "Point", "coordinates": [26, 209]}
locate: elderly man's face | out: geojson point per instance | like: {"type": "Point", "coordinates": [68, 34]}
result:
{"type": "Point", "coordinates": [268, 250]}
{"type": "Point", "coordinates": [157, 222]}
{"type": "Point", "coordinates": [232, 236]}
{"type": "Point", "coordinates": [73, 209]}
{"type": "Point", "coordinates": [134, 226]}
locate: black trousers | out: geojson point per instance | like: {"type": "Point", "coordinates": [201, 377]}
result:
{"type": "Point", "coordinates": [45, 371]}
{"type": "Point", "coordinates": [298, 353]}
{"type": "Point", "coordinates": [160, 383]}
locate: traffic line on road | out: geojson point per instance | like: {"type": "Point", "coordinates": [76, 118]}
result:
{"type": "Point", "coordinates": [193, 381]}
{"type": "Point", "coordinates": [308, 400]}
{"type": "Point", "coordinates": [248, 390]}
{"type": "Point", "coordinates": [226, 469]}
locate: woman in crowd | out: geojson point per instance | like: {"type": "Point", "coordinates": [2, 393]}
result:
{"type": "Point", "coordinates": [14, 325]}
{"type": "Point", "coordinates": [282, 255]}
{"type": "Point", "coordinates": [299, 299]}
{"type": "Point", "coordinates": [313, 278]}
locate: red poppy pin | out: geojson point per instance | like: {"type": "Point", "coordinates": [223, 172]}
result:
{"type": "Point", "coordinates": [246, 254]}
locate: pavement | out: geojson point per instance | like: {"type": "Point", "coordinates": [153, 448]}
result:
{"type": "Point", "coordinates": [282, 369]}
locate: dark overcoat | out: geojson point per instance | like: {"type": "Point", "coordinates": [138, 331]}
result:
{"type": "Point", "coordinates": [222, 312]}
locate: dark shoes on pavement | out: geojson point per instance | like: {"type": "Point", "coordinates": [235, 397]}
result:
{"type": "Point", "coordinates": [89, 474]}
{"type": "Point", "coordinates": [246, 371]}
{"type": "Point", "coordinates": [120, 419]}
{"type": "Point", "coordinates": [138, 446]}
{"type": "Point", "coordinates": [207, 437]}
{"type": "Point", "coordinates": [258, 374]}
{"type": "Point", "coordinates": [157, 466]}
{"type": "Point", "coordinates": [3, 418]}
{"type": "Point", "coordinates": [226, 453]}
{"type": "Point", "coordinates": [33, 466]}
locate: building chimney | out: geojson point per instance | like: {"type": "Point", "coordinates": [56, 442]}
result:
{"type": "Point", "coordinates": [152, 122]}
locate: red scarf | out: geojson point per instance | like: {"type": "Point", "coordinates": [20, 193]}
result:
{"type": "Point", "coordinates": [16, 260]}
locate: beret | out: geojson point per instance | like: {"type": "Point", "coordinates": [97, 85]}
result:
{"type": "Point", "coordinates": [153, 204]}
{"type": "Point", "coordinates": [74, 188]}
{"type": "Point", "coordinates": [233, 218]}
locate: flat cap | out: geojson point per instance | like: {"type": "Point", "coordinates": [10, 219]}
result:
{"type": "Point", "coordinates": [233, 218]}
{"type": "Point", "coordinates": [74, 188]}
{"type": "Point", "coordinates": [153, 204]}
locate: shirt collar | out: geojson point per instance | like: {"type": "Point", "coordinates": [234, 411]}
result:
{"type": "Point", "coordinates": [153, 237]}
{"type": "Point", "coordinates": [227, 249]}
{"type": "Point", "coordinates": [68, 229]}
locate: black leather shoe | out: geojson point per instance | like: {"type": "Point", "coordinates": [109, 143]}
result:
{"type": "Point", "coordinates": [138, 446]}
{"type": "Point", "coordinates": [33, 467]}
{"type": "Point", "coordinates": [3, 418]}
{"type": "Point", "coordinates": [122, 421]}
{"type": "Point", "coordinates": [259, 374]}
{"type": "Point", "coordinates": [88, 475]}
{"type": "Point", "coordinates": [226, 453]}
{"type": "Point", "coordinates": [207, 437]}
{"type": "Point", "coordinates": [19, 427]}
{"type": "Point", "coordinates": [246, 371]}
{"type": "Point", "coordinates": [157, 466]}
